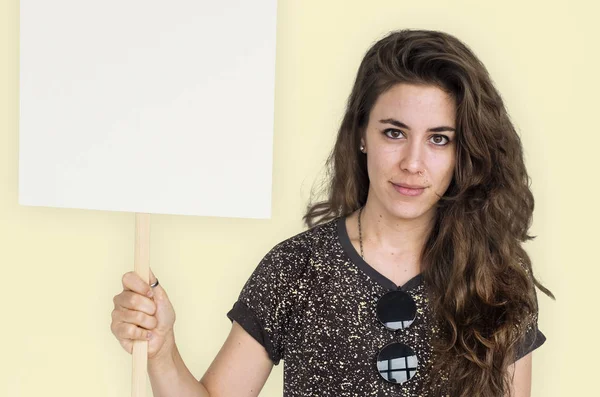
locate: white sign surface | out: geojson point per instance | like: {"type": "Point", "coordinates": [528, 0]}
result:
{"type": "Point", "coordinates": [148, 106]}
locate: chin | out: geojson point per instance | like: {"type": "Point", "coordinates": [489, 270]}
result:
{"type": "Point", "coordinates": [407, 211]}
{"type": "Point", "coordinates": [407, 215]}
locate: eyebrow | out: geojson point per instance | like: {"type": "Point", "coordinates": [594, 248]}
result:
{"type": "Point", "coordinates": [402, 125]}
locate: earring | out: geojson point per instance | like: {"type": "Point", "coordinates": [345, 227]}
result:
{"type": "Point", "coordinates": [362, 148]}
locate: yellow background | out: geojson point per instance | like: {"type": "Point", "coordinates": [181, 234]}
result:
{"type": "Point", "coordinates": [61, 267]}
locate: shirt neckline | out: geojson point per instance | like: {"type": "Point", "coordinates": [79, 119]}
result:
{"type": "Point", "coordinates": [370, 271]}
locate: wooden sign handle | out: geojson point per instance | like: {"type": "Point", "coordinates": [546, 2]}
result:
{"type": "Point", "coordinates": [142, 268]}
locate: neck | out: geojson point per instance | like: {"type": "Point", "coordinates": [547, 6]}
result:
{"type": "Point", "coordinates": [402, 238]}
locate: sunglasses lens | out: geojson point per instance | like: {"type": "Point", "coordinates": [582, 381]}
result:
{"type": "Point", "coordinates": [397, 363]}
{"type": "Point", "coordinates": [396, 310]}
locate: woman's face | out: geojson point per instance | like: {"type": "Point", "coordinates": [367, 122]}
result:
{"type": "Point", "coordinates": [410, 140]}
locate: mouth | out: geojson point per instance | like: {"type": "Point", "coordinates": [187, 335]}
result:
{"type": "Point", "coordinates": [408, 190]}
{"type": "Point", "coordinates": [409, 186]}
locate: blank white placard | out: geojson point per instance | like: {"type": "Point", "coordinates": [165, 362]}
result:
{"type": "Point", "coordinates": [148, 106]}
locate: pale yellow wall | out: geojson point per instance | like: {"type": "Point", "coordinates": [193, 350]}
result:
{"type": "Point", "coordinates": [61, 267]}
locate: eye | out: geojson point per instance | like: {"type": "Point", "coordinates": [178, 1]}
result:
{"type": "Point", "coordinates": [436, 140]}
{"type": "Point", "coordinates": [393, 133]}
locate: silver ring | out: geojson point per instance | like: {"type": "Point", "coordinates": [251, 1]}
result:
{"type": "Point", "coordinates": [155, 284]}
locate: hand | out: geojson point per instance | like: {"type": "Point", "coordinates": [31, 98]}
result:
{"type": "Point", "coordinates": [136, 315]}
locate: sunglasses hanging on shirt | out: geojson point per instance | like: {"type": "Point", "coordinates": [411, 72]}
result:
{"type": "Point", "coordinates": [396, 362]}
{"type": "Point", "coordinates": [396, 310]}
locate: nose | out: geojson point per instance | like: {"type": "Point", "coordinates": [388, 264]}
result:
{"type": "Point", "coordinates": [412, 159]}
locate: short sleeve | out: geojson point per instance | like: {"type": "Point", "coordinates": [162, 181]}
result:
{"type": "Point", "coordinates": [533, 337]}
{"type": "Point", "coordinates": [266, 302]}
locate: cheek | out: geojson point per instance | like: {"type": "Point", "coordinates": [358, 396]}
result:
{"type": "Point", "coordinates": [444, 167]}
{"type": "Point", "coordinates": [381, 165]}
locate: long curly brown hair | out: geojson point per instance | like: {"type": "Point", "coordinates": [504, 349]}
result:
{"type": "Point", "coordinates": [482, 284]}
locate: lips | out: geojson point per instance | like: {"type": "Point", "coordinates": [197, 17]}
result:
{"type": "Point", "coordinates": [408, 191]}
{"type": "Point", "coordinates": [409, 186]}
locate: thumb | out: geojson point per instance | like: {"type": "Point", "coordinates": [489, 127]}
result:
{"type": "Point", "coordinates": [158, 291]}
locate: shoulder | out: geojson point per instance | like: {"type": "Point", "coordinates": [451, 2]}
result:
{"type": "Point", "coordinates": [291, 260]}
{"type": "Point", "coordinates": [308, 242]}
{"type": "Point", "coordinates": [287, 268]}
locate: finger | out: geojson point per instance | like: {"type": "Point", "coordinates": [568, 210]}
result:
{"type": "Point", "coordinates": [134, 301]}
{"type": "Point", "coordinates": [125, 331]}
{"type": "Point", "coordinates": [160, 295]}
{"type": "Point", "coordinates": [127, 345]}
{"type": "Point", "coordinates": [152, 277]}
{"type": "Point", "coordinates": [133, 282]}
{"type": "Point", "coordinates": [137, 318]}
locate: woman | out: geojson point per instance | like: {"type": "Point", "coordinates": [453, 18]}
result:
{"type": "Point", "coordinates": [411, 279]}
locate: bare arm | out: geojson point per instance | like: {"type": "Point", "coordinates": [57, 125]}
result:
{"type": "Point", "coordinates": [520, 372]}
{"type": "Point", "coordinates": [169, 376]}
{"type": "Point", "coordinates": [240, 369]}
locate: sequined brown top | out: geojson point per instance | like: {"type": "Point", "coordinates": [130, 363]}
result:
{"type": "Point", "coordinates": [311, 302]}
